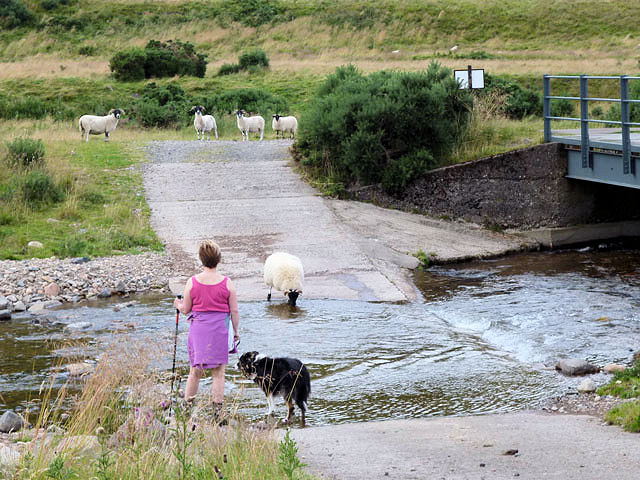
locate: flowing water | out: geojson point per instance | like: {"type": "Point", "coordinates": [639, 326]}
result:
{"type": "Point", "coordinates": [484, 339]}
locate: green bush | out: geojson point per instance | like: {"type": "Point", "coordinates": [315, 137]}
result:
{"type": "Point", "coordinates": [53, 4]}
{"type": "Point", "coordinates": [20, 108]}
{"type": "Point", "coordinates": [387, 126]}
{"type": "Point", "coordinates": [88, 50]}
{"type": "Point", "coordinates": [228, 69]}
{"type": "Point", "coordinates": [253, 57]}
{"type": "Point", "coordinates": [14, 13]}
{"type": "Point", "coordinates": [562, 108]}
{"type": "Point", "coordinates": [597, 113]}
{"type": "Point", "coordinates": [25, 152]}
{"type": "Point", "coordinates": [614, 112]}
{"type": "Point", "coordinates": [128, 65]}
{"type": "Point", "coordinates": [161, 106]}
{"type": "Point", "coordinates": [253, 13]}
{"type": "Point", "coordinates": [38, 187]}
{"type": "Point", "coordinates": [158, 60]}
{"type": "Point", "coordinates": [520, 102]}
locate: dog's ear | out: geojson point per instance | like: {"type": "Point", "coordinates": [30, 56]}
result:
{"type": "Point", "coordinates": [252, 355]}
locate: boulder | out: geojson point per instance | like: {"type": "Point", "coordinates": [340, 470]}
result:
{"type": "Point", "coordinates": [78, 326]}
{"type": "Point", "coordinates": [79, 369]}
{"type": "Point", "coordinates": [38, 307]}
{"type": "Point", "coordinates": [576, 366]}
{"type": "Point", "coordinates": [11, 422]}
{"type": "Point", "coordinates": [4, 303]}
{"type": "Point", "coordinates": [142, 423]}
{"type": "Point", "coordinates": [9, 458]}
{"type": "Point", "coordinates": [19, 306]}
{"type": "Point", "coordinates": [80, 446]}
{"type": "Point", "coordinates": [80, 260]}
{"type": "Point", "coordinates": [613, 368]}
{"type": "Point", "coordinates": [587, 386]}
{"type": "Point", "coordinates": [106, 293]}
{"type": "Point", "coordinates": [5, 315]}
{"type": "Point", "coordinates": [35, 244]}
{"type": "Point", "coordinates": [121, 287]}
{"type": "Point", "coordinates": [52, 290]}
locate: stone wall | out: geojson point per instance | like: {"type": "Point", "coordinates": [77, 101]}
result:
{"type": "Point", "coordinates": [521, 189]}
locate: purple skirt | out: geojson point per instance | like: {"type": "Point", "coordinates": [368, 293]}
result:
{"type": "Point", "coordinates": [208, 342]}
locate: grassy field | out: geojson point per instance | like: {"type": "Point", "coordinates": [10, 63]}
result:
{"type": "Point", "coordinates": [626, 385]}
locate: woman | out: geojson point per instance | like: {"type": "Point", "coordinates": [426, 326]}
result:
{"type": "Point", "coordinates": [210, 298]}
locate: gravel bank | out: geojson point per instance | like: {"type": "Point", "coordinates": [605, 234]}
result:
{"type": "Point", "coordinates": [38, 284]}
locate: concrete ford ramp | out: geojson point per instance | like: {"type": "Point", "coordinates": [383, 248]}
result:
{"type": "Point", "coordinates": [558, 447]}
{"type": "Point", "coordinates": [246, 196]}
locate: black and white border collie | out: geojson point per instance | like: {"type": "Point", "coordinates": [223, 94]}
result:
{"type": "Point", "coordinates": [287, 377]}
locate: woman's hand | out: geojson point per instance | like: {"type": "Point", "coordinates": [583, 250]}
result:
{"type": "Point", "coordinates": [177, 302]}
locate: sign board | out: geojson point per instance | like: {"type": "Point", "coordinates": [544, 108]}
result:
{"type": "Point", "coordinates": [477, 78]}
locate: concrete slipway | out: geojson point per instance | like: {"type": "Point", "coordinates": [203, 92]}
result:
{"type": "Point", "coordinates": [248, 198]}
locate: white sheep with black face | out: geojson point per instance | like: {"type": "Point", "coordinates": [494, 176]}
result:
{"type": "Point", "coordinates": [95, 125]}
{"type": "Point", "coordinates": [250, 124]}
{"type": "Point", "coordinates": [204, 123]}
{"type": "Point", "coordinates": [284, 125]}
{"type": "Point", "coordinates": [284, 272]}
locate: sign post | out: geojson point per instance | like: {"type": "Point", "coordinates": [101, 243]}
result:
{"type": "Point", "coordinates": [473, 79]}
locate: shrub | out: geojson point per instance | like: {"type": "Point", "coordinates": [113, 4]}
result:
{"type": "Point", "coordinates": [14, 13]}
{"type": "Point", "coordinates": [253, 57]}
{"type": "Point", "coordinates": [597, 112]}
{"type": "Point", "coordinates": [38, 187]}
{"type": "Point", "coordinates": [158, 59]}
{"type": "Point", "coordinates": [161, 106]}
{"type": "Point", "coordinates": [252, 13]}
{"type": "Point", "coordinates": [520, 102]}
{"type": "Point", "coordinates": [388, 126]}
{"type": "Point", "coordinates": [88, 50]}
{"type": "Point", "coordinates": [53, 4]}
{"type": "Point", "coordinates": [562, 108]}
{"type": "Point", "coordinates": [228, 69]}
{"type": "Point", "coordinates": [128, 65]}
{"type": "Point", "coordinates": [20, 108]}
{"type": "Point", "coordinates": [25, 152]}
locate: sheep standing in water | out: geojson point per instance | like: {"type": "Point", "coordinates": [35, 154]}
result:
{"type": "Point", "coordinates": [204, 123]}
{"type": "Point", "coordinates": [284, 124]}
{"type": "Point", "coordinates": [284, 272]}
{"type": "Point", "coordinates": [95, 125]}
{"type": "Point", "coordinates": [250, 124]}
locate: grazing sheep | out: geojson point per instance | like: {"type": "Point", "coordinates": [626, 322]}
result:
{"type": "Point", "coordinates": [95, 125]}
{"type": "Point", "coordinates": [250, 124]}
{"type": "Point", "coordinates": [204, 123]}
{"type": "Point", "coordinates": [284, 124]}
{"type": "Point", "coordinates": [284, 272]}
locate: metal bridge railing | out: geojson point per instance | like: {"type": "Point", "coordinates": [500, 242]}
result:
{"type": "Point", "coordinates": [584, 99]}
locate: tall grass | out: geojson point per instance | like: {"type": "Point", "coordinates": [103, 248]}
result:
{"type": "Point", "coordinates": [121, 408]}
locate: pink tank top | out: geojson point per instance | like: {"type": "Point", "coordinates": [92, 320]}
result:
{"type": "Point", "coordinates": [209, 298]}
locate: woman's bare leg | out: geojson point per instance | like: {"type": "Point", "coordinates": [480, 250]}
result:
{"type": "Point", "coordinates": [195, 374]}
{"type": "Point", "coordinates": [217, 386]}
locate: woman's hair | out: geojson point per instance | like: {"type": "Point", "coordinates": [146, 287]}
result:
{"type": "Point", "coordinates": [210, 254]}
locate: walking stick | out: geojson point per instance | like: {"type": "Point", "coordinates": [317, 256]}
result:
{"type": "Point", "coordinates": [176, 285]}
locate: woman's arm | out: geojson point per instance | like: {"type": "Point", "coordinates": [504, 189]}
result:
{"type": "Point", "coordinates": [233, 308]}
{"type": "Point", "coordinates": [185, 304]}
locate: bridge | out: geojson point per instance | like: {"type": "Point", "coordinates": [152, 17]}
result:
{"type": "Point", "coordinates": [608, 155]}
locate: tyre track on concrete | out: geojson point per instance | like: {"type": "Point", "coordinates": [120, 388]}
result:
{"type": "Point", "coordinates": [246, 196]}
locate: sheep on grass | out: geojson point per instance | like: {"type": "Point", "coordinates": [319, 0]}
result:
{"type": "Point", "coordinates": [204, 123]}
{"type": "Point", "coordinates": [284, 125]}
{"type": "Point", "coordinates": [95, 125]}
{"type": "Point", "coordinates": [250, 124]}
{"type": "Point", "coordinates": [284, 272]}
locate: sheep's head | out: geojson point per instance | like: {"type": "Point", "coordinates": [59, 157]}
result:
{"type": "Point", "coordinates": [277, 117]}
{"type": "Point", "coordinates": [239, 113]}
{"type": "Point", "coordinates": [293, 296]}
{"type": "Point", "coordinates": [199, 110]}
{"type": "Point", "coordinates": [116, 112]}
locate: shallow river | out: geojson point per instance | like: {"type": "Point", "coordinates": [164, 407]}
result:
{"type": "Point", "coordinates": [482, 340]}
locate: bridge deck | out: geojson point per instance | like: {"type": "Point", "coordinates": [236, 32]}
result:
{"type": "Point", "coordinates": [605, 138]}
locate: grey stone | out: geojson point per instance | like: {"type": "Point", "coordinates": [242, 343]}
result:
{"type": "Point", "coordinates": [5, 314]}
{"type": "Point", "coordinates": [79, 369]}
{"type": "Point", "coordinates": [12, 298]}
{"type": "Point", "coordinates": [121, 287]}
{"type": "Point", "coordinates": [80, 260]}
{"type": "Point", "coordinates": [33, 269]}
{"type": "Point", "coordinates": [35, 244]}
{"type": "Point", "coordinates": [105, 293]}
{"type": "Point", "coordinates": [141, 423]}
{"type": "Point", "coordinates": [9, 458]}
{"type": "Point", "coordinates": [4, 303]}
{"type": "Point", "coordinates": [11, 422]}
{"type": "Point", "coordinates": [81, 446]}
{"type": "Point", "coordinates": [613, 368]}
{"type": "Point", "coordinates": [587, 386]}
{"type": "Point", "coordinates": [576, 366]}
{"type": "Point", "coordinates": [78, 326]}
{"type": "Point", "coordinates": [19, 306]}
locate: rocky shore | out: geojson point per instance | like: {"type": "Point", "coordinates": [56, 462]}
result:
{"type": "Point", "coordinates": [38, 284]}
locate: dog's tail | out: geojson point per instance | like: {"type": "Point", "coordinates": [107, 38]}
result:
{"type": "Point", "coordinates": [304, 388]}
